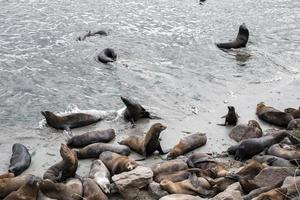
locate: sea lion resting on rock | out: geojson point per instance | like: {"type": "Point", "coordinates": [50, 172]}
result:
{"type": "Point", "coordinates": [101, 175]}
{"type": "Point", "coordinates": [273, 160]}
{"type": "Point", "coordinates": [117, 163]}
{"type": "Point", "coordinates": [294, 124]}
{"type": "Point", "coordinates": [91, 191]}
{"type": "Point", "coordinates": [272, 115]}
{"type": "Point", "coordinates": [275, 194]}
{"type": "Point", "coordinates": [7, 175]}
{"type": "Point", "coordinates": [241, 132]}
{"type": "Point", "coordinates": [82, 140]}
{"type": "Point", "coordinates": [94, 150]}
{"type": "Point", "coordinates": [64, 169]}
{"type": "Point", "coordinates": [107, 55]}
{"type": "Point", "coordinates": [148, 144]}
{"type": "Point", "coordinates": [289, 152]}
{"type": "Point", "coordinates": [251, 169]}
{"type": "Point", "coordinates": [231, 118]}
{"type": "Point", "coordinates": [20, 159]}
{"type": "Point", "coordinates": [187, 144]}
{"type": "Point", "coordinates": [294, 112]}
{"type": "Point", "coordinates": [168, 167]}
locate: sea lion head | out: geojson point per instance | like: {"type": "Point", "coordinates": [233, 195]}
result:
{"type": "Point", "coordinates": [290, 110]}
{"type": "Point", "coordinates": [259, 106]}
{"type": "Point", "coordinates": [231, 108]}
{"type": "Point", "coordinates": [131, 164]}
{"type": "Point", "coordinates": [254, 124]}
{"type": "Point", "coordinates": [67, 153]}
{"type": "Point", "coordinates": [243, 32]}
{"type": "Point", "coordinates": [157, 127]}
{"type": "Point", "coordinates": [110, 53]}
{"type": "Point", "coordinates": [48, 115]}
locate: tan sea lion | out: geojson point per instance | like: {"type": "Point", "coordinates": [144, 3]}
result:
{"type": "Point", "coordinates": [179, 175]}
{"type": "Point", "coordinates": [187, 144]}
{"type": "Point", "coordinates": [7, 175]}
{"type": "Point", "coordinates": [101, 175]}
{"type": "Point", "coordinates": [117, 163]}
{"type": "Point", "coordinates": [64, 169]}
{"type": "Point", "coordinates": [168, 167]}
{"type": "Point", "coordinates": [275, 194]}
{"type": "Point", "coordinates": [289, 152]}
{"type": "Point", "coordinates": [251, 169]}
{"type": "Point", "coordinates": [91, 191]}
{"type": "Point", "coordinates": [294, 112]}
{"type": "Point", "coordinates": [147, 144]}
{"type": "Point", "coordinates": [241, 131]}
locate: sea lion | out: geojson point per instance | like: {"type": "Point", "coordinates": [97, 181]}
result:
{"type": "Point", "coordinates": [67, 122]}
{"type": "Point", "coordinates": [71, 190]}
{"type": "Point", "coordinates": [275, 194]}
{"type": "Point", "coordinates": [231, 118]}
{"type": "Point", "coordinates": [85, 139]}
{"type": "Point", "coordinates": [168, 167]}
{"type": "Point", "coordinates": [294, 112]}
{"type": "Point", "coordinates": [187, 144]}
{"type": "Point", "coordinates": [117, 163]}
{"type": "Point", "coordinates": [101, 175]}
{"type": "Point", "coordinates": [251, 169]}
{"type": "Point", "coordinates": [272, 115]}
{"type": "Point", "coordinates": [147, 144]}
{"type": "Point", "coordinates": [220, 184]}
{"type": "Point", "coordinates": [7, 175]}
{"type": "Point", "coordinates": [91, 191]}
{"type": "Point", "coordinates": [273, 160]}
{"type": "Point", "coordinates": [253, 146]}
{"type": "Point", "coordinates": [64, 169]}
{"type": "Point", "coordinates": [107, 55]}
{"type": "Point", "coordinates": [257, 192]}
{"type": "Point", "coordinates": [28, 191]}
{"type": "Point", "coordinates": [289, 152]}
{"type": "Point", "coordinates": [179, 175]}
{"type": "Point", "coordinates": [90, 33]}
{"type": "Point", "coordinates": [94, 150]}
{"type": "Point", "coordinates": [294, 124]}
{"type": "Point", "coordinates": [240, 41]}
{"type": "Point", "coordinates": [241, 131]}
{"type": "Point", "coordinates": [20, 159]}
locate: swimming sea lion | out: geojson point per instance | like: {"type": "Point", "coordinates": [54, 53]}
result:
{"type": "Point", "coordinates": [289, 152]}
{"type": "Point", "coordinates": [64, 169]}
{"type": "Point", "coordinates": [275, 194]}
{"type": "Point", "coordinates": [107, 55]}
{"type": "Point", "coordinates": [67, 122]}
{"type": "Point", "coordinates": [168, 167]}
{"type": "Point", "coordinates": [240, 41]}
{"type": "Point", "coordinates": [20, 159]}
{"type": "Point", "coordinates": [7, 175]}
{"type": "Point", "coordinates": [90, 33]}
{"type": "Point", "coordinates": [273, 160]}
{"type": "Point", "coordinates": [82, 140]}
{"type": "Point", "coordinates": [148, 144]}
{"type": "Point", "coordinates": [117, 163]}
{"type": "Point", "coordinates": [294, 124]}
{"type": "Point", "coordinates": [71, 190]}
{"type": "Point", "coordinates": [241, 132]}
{"type": "Point", "coordinates": [231, 118]}
{"type": "Point", "coordinates": [94, 150]}
{"type": "Point", "coordinates": [187, 144]}
{"type": "Point", "coordinates": [101, 175]}
{"type": "Point", "coordinates": [272, 115]}
{"type": "Point", "coordinates": [294, 112]}
{"type": "Point", "coordinates": [91, 191]}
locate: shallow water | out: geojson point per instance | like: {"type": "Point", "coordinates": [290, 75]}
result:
{"type": "Point", "coordinates": [167, 60]}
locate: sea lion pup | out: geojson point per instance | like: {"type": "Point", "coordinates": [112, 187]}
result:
{"type": "Point", "coordinates": [168, 167]}
{"type": "Point", "coordinates": [90, 33]}
{"type": "Point", "coordinates": [253, 146]}
{"type": "Point", "coordinates": [273, 160]}
{"type": "Point", "coordinates": [294, 112]}
{"type": "Point", "coordinates": [74, 120]}
{"type": "Point", "coordinates": [7, 175]}
{"type": "Point", "coordinates": [202, 161]}
{"type": "Point", "coordinates": [64, 169]}
{"type": "Point", "coordinates": [240, 41]}
{"type": "Point", "coordinates": [91, 191]}
{"type": "Point", "coordinates": [241, 131]}
{"type": "Point", "coordinates": [101, 175]}
{"type": "Point", "coordinates": [147, 144]}
{"type": "Point", "coordinates": [71, 190]}
{"type": "Point", "coordinates": [107, 55]}
{"type": "Point", "coordinates": [294, 124]}
{"type": "Point", "coordinates": [272, 115]}
{"type": "Point", "coordinates": [117, 163]}
{"type": "Point", "coordinates": [28, 191]}
{"type": "Point", "coordinates": [82, 140]}
{"type": "Point", "coordinates": [20, 159]}
{"type": "Point", "coordinates": [94, 150]}
{"type": "Point", "coordinates": [289, 152]}
{"type": "Point", "coordinates": [231, 118]}
{"type": "Point", "coordinates": [275, 194]}
{"type": "Point", "coordinates": [187, 144]}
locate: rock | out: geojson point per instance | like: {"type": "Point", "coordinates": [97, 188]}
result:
{"type": "Point", "coordinates": [228, 195]}
{"type": "Point", "coordinates": [272, 176]}
{"type": "Point", "coordinates": [292, 183]}
{"type": "Point", "coordinates": [180, 197]}
{"type": "Point", "coordinates": [130, 183]}
{"type": "Point", "coordinates": [234, 186]}
{"type": "Point", "coordinates": [155, 189]}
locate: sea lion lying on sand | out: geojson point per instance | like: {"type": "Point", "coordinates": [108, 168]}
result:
{"type": "Point", "coordinates": [20, 159]}
{"type": "Point", "coordinates": [168, 167]}
{"type": "Point", "coordinates": [101, 175]}
{"type": "Point", "coordinates": [294, 112]}
{"type": "Point", "coordinates": [91, 191]}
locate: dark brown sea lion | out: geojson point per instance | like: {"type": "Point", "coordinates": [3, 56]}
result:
{"type": "Point", "coordinates": [288, 152]}
{"type": "Point", "coordinates": [240, 41]}
{"type": "Point", "coordinates": [94, 150]}
{"type": "Point", "coordinates": [231, 118]}
{"type": "Point", "coordinates": [64, 169]}
{"type": "Point", "coordinates": [147, 144]}
{"type": "Point", "coordinates": [70, 121]}
{"type": "Point", "coordinates": [117, 163]}
{"type": "Point", "coordinates": [7, 175]}
{"type": "Point", "coordinates": [294, 112]}
{"type": "Point", "coordinates": [294, 124]}
{"type": "Point", "coordinates": [241, 131]}
{"type": "Point", "coordinates": [90, 33]}
{"type": "Point", "coordinates": [187, 144]}
{"type": "Point", "coordinates": [107, 55]}
{"type": "Point", "coordinates": [168, 167]}
{"type": "Point", "coordinates": [82, 140]}
{"type": "Point", "coordinates": [20, 159]}
{"type": "Point", "coordinates": [272, 115]}
{"type": "Point", "coordinates": [91, 191]}
{"type": "Point", "coordinates": [71, 190]}
{"type": "Point", "coordinates": [273, 160]}
{"type": "Point", "coordinates": [275, 194]}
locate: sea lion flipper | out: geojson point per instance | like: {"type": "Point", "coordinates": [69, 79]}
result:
{"type": "Point", "coordinates": [194, 180]}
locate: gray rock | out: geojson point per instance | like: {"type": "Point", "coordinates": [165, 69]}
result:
{"type": "Point", "coordinates": [155, 189]}
{"type": "Point", "coordinates": [228, 195]}
{"type": "Point", "coordinates": [180, 197]}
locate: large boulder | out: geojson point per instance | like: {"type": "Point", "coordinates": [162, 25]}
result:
{"type": "Point", "coordinates": [180, 197]}
{"type": "Point", "coordinates": [156, 191]}
{"type": "Point", "coordinates": [130, 183]}
{"type": "Point", "coordinates": [231, 193]}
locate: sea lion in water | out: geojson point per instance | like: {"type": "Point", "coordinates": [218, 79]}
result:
{"type": "Point", "coordinates": [71, 190]}
{"type": "Point", "coordinates": [64, 169]}
{"type": "Point", "coordinates": [94, 150]}
{"type": "Point", "coordinates": [67, 122]}
{"type": "Point", "coordinates": [187, 144]}
{"type": "Point", "coordinates": [275, 194]}
{"type": "Point", "coordinates": [273, 160]}
{"type": "Point", "coordinates": [148, 144]}
{"type": "Point", "coordinates": [289, 152]}
{"type": "Point", "coordinates": [272, 115]}
{"type": "Point", "coordinates": [117, 163]}
{"type": "Point", "coordinates": [90, 33]}
{"type": "Point", "coordinates": [294, 112]}
{"type": "Point", "coordinates": [101, 175]}
{"type": "Point", "coordinates": [240, 41]}
{"type": "Point", "coordinates": [85, 139]}
{"type": "Point", "coordinates": [168, 167]}
{"type": "Point", "coordinates": [294, 124]}
{"type": "Point", "coordinates": [91, 191]}
{"type": "Point", "coordinates": [241, 131]}
{"type": "Point", "coordinates": [253, 146]}
{"type": "Point", "coordinates": [107, 55]}
{"type": "Point", "coordinates": [20, 159]}
{"type": "Point", "coordinates": [231, 118]}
